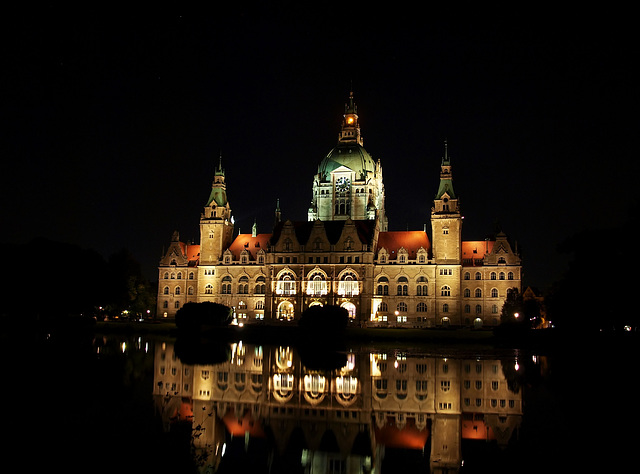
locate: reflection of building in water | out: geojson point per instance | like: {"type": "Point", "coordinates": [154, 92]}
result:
{"type": "Point", "coordinates": [339, 420]}
{"type": "Point", "coordinates": [344, 254]}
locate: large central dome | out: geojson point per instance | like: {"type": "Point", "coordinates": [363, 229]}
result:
{"type": "Point", "coordinates": [352, 155]}
{"type": "Point", "coordinates": [349, 183]}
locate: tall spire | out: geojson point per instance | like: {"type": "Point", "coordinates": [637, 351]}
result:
{"type": "Point", "coordinates": [218, 187]}
{"type": "Point", "coordinates": [446, 179]}
{"type": "Point", "coordinates": [219, 170]}
{"type": "Point", "coordinates": [350, 131]}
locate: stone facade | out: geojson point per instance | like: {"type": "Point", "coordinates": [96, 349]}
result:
{"type": "Point", "coordinates": [343, 254]}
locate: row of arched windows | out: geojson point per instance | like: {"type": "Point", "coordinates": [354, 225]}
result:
{"type": "Point", "coordinates": [259, 287]}
{"type": "Point", "coordinates": [402, 286]}
{"type": "Point", "coordinates": [177, 276]}
{"type": "Point", "coordinates": [492, 276]}
{"type": "Point", "coordinates": [402, 307]}
{"type": "Point", "coordinates": [478, 293]}
{"type": "Point", "coordinates": [177, 290]}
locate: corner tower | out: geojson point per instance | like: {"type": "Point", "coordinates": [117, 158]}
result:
{"type": "Point", "coordinates": [349, 182]}
{"type": "Point", "coordinates": [446, 220]}
{"type": "Point", "coordinates": [216, 222]}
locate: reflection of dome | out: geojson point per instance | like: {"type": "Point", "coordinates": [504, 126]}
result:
{"type": "Point", "coordinates": [351, 155]}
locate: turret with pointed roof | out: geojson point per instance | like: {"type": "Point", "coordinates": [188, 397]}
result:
{"type": "Point", "coordinates": [446, 221]}
{"type": "Point", "coordinates": [216, 222]}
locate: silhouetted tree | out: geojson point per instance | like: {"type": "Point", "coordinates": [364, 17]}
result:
{"type": "Point", "coordinates": [127, 288]}
{"type": "Point", "coordinates": [324, 318]}
{"type": "Point", "coordinates": [517, 310]}
{"type": "Point", "coordinates": [196, 316]}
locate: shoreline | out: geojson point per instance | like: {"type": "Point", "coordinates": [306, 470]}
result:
{"type": "Point", "coordinates": [544, 340]}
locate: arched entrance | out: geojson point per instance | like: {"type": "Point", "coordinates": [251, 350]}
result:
{"type": "Point", "coordinates": [285, 311]}
{"type": "Point", "coordinates": [351, 308]}
{"type": "Point", "coordinates": [477, 323]}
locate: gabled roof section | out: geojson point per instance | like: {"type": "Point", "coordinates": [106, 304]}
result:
{"type": "Point", "coordinates": [192, 252]}
{"type": "Point", "coordinates": [332, 229]}
{"type": "Point", "coordinates": [249, 243]}
{"type": "Point", "coordinates": [476, 249]}
{"type": "Point", "coordinates": [410, 240]}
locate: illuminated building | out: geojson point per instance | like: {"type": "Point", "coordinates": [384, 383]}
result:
{"type": "Point", "coordinates": [345, 417]}
{"type": "Point", "coordinates": [343, 254]}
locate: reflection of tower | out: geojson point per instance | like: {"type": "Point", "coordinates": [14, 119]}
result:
{"type": "Point", "coordinates": [320, 416]}
{"type": "Point", "coordinates": [445, 443]}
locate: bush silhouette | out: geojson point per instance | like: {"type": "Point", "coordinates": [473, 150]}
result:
{"type": "Point", "coordinates": [205, 314]}
{"type": "Point", "coordinates": [331, 318]}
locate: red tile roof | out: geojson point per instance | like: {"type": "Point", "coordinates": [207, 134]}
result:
{"type": "Point", "coordinates": [191, 251]}
{"type": "Point", "coordinates": [475, 249]}
{"type": "Point", "coordinates": [410, 240]}
{"type": "Point", "coordinates": [250, 243]}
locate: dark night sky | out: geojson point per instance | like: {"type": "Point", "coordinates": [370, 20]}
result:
{"type": "Point", "coordinates": [113, 123]}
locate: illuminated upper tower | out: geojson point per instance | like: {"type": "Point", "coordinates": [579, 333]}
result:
{"type": "Point", "coordinates": [216, 222]}
{"type": "Point", "coordinates": [349, 183]}
{"type": "Point", "coordinates": [446, 220]}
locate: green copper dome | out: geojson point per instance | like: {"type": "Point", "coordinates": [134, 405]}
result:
{"type": "Point", "coordinates": [351, 155]}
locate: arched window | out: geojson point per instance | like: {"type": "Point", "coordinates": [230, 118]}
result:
{"type": "Point", "coordinates": [165, 290]}
{"type": "Point", "coordinates": [494, 292]}
{"type": "Point", "coordinates": [383, 286]}
{"type": "Point", "coordinates": [445, 291]}
{"type": "Point", "coordinates": [176, 291]}
{"type": "Point", "coordinates": [421, 308]}
{"type": "Point", "coordinates": [478, 293]}
{"type": "Point", "coordinates": [494, 276]}
{"type": "Point", "coordinates": [422, 286]}
{"type": "Point", "coordinates": [478, 309]}
{"type": "Point", "coordinates": [467, 276]}
{"type": "Point", "coordinates": [402, 307]}
{"type": "Point", "coordinates": [510, 276]}
{"type": "Point", "coordinates": [383, 308]}
{"type": "Point", "coordinates": [317, 285]}
{"type": "Point", "coordinates": [226, 285]}
{"type": "Point", "coordinates": [467, 293]}
{"type": "Point", "coordinates": [260, 286]}
{"type": "Point", "coordinates": [403, 287]}
{"type": "Point", "coordinates": [348, 285]}
{"type": "Point", "coordinates": [243, 285]}
{"type": "Point", "coordinates": [478, 276]}
{"type": "Point", "coordinates": [208, 290]}
{"type": "Point", "coordinates": [286, 285]}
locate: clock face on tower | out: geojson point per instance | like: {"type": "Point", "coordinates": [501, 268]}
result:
{"type": "Point", "coordinates": [342, 184]}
